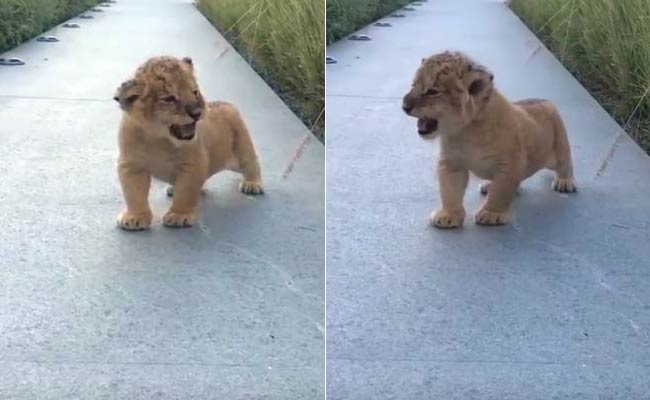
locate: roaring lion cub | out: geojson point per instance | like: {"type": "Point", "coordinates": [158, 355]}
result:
{"type": "Point", "coordinates": [482, 132]}
{"type": "Point", "coordinates": [168, 132]}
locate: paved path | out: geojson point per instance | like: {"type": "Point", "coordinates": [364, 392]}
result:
{"type": "Point", "coordinates": [554, 306]}
{"type": "Point", "coordinates": [232, 309]}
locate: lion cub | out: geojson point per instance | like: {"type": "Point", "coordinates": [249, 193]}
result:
{"type": "Point", "coordinates": [168, 132]}
{"type": "Point", "coordinates": [482, 132]}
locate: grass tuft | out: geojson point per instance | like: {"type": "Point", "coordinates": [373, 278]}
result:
{"type": "Point", "coordinates": [284, 42]}
{"type": "Point", "coordinates": [606, 45]}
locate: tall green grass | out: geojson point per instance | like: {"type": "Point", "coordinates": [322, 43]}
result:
{"type": "Point", "coordinates": [285, 42]}
{"type": "Point", "coordinates": [606, 44]}
{"type": "Point", "coordinates": [346, 16]}
{"type": "Point", "coordinates": [23, 19]}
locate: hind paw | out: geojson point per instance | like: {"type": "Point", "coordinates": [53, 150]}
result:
{"type": "Point", "coordinates": [567, 185]}
{"type": "Point", "coordinates": [251, 187]}
{"type": "Point", "coordinates": [447, 219]}
{"type": "Point", "coordinates": [485, 217]}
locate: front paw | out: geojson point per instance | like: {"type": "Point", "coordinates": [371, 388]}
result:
{"type": "Point", "coordinates": [485, 217]}
{"type": "Point", "coordinates": [134, 222]}
{"type": "Point", "coordinates": [564, 185]}
{"type": "Point", "coordinates": [179, 220]}
{"type": "Point", "coordinates": [447, 219]}
{"type": "Point", "coordinates": [251, 187]}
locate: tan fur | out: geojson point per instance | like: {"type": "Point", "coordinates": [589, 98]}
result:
{"type": "Point", "coordinates": [163, 96]}
{"type": "Point", "coordinates": [484, 133]}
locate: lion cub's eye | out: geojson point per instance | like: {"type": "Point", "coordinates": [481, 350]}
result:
{"type": "Point", "coordinates": [196, 93]}
{"type": "Point", "coordinates": [169, 99]}
{"type": "Point", "coordinates": [432, 92]}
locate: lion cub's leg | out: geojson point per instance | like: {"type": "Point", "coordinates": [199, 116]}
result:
{"type": "Point", "coordinates": [135, 187]}
{"type": "Point", "coordinates": [484, 187]}
{"type": "Point", "coordinates": [564, 181]}
{"type": "Point", "coordinates": [248, 163]}
{"type": "Point", "coordinates": [252, 182]}
{"type": "Point", "coordinates": [453, 182]}
{"type": "Point", "coordinates": [170, 191]}
{"type": "Point", "coordinates": [502, 190]}
{"type": "Point", "coordinates": [187, 193]}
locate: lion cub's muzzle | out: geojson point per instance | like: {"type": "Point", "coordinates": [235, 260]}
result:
{"type": "Point", "coordinates": [426, 126]}
{"type": "Point", "coordinates": [183, 132]}
{"type": "Point", "coordinates": [187, 131]}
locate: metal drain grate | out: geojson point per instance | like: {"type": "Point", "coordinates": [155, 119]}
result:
{"type": "Point", "coordinates": [47, 39]}
{"type": "Point", "coordinates": [86, 16]}
{"type": "Point", "coordinates": [330, 60]}
{"type": "Point", "coordinates": [11, 61]}
{"type": "Point", "coordinates": [70, 26]}
{"type": "Point", "coordinates": [383, 24]}
{"type": "Point", "coordinates": [362, 38]}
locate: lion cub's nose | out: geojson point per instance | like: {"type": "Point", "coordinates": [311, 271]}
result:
{"type": "Point", "coordinates": [194, 112]}
{"type": "Point", "coordinates": [407, 104]}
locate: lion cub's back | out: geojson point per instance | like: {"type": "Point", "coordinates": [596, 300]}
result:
{"type": "Point", "coordinates": [220, 123]}
{"type": "Point", "coordinates": [220, 129]}
{"type": "Point", "coordinates": [541, 110]}
{"type": "Point", "coordinates": [541, 134]}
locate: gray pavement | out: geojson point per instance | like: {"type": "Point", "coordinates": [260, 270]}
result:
{"type": "Point", "coordinates": [231, 309]}
{"type": "Point", "coordinates": [554, 306]}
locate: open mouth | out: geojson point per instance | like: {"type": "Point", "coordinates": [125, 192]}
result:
{"type": "Point", "coordinates": [427, 126]}
{"type": "Point", "coordinates": [183, 132]}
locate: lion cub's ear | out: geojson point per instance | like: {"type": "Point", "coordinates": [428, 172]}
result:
{"type": "Point", "coordinates": [189, 62]}
{"type": "Point", "coordinates": [128, 93]}
{"type": "Point", "coordinates": [479, 80]}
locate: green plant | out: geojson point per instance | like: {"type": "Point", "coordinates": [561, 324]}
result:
{"type": "Point", "coordinates": [606, 44]}
{"type": "Point", "coordinates": [284, 41]}
{"type": "Point", "coordinates": [21, 20]}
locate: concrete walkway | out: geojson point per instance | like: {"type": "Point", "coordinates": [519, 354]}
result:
{"type": "Point", "coordinates": [554, 306]}
{"type": "Point", "coordinates": [231, 309]}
